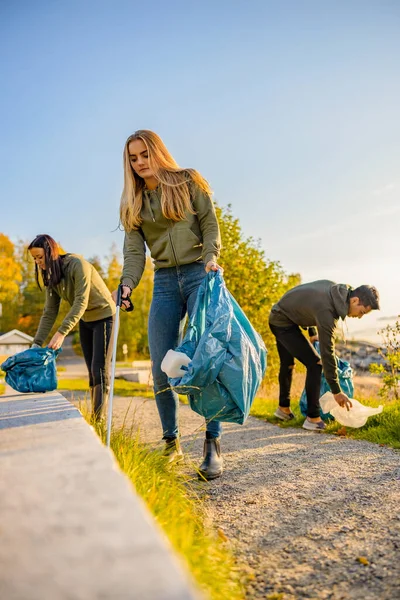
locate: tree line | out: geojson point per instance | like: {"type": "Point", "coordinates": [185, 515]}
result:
{"type": "Point", "coordinates": [255, 281]}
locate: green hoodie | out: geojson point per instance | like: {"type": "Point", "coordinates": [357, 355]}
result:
{"type": "Point", "coordinates": [171, 243]}
{"type": "Point", "coordinates": [83, 288]}
{"type": "Point", "coordinates": [320, 304]}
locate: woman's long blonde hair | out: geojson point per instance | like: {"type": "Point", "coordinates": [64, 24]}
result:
{"type": "Point", "coordinates": [175, 193]}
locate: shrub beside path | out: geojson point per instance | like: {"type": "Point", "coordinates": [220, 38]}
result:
{"type": "Point", "coordinates": [310, 516]}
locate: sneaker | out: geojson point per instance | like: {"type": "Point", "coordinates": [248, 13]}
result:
{"type": "Point", "coordinates": [173, 450]}
{"type": "Point", "coordinates": [282, 415]}
{"type": "Point", "coordinates": [310, 426]}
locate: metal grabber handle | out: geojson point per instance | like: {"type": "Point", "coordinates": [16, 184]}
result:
{"type": "Point", "coordinates": [114, 357]}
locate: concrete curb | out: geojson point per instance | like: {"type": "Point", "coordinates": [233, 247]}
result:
{"type": "Point", "coordinates": [72, 527]}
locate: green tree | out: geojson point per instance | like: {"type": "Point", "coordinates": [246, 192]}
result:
{"type": "Point", "coordinates": [255, 281]}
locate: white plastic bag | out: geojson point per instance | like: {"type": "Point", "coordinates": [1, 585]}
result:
{"type": "Point", "coordinates": [173, 362]}
{"type": "Point", "coordinates": [355, 417]}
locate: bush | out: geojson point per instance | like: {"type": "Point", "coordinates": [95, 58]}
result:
{"type": "Point", "coordinates": [390, 371]}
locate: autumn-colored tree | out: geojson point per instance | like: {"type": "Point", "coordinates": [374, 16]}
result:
{"type": "Point", "coordinates": [10, 272]}
{"type": "Point", "coordinates": [133, 325]}
{"type": "Point", "coordinates": [133, 330]}
{"type": "Point", "coordinates": [31, 297]}
{"type": "Point", "coordinates": [113, 269]}
{"type": "Point", "coordinates": [255, 281]}
{"type": "Point", "coordinates": [10, 279]}
{"type": "Point", "coordinates": [96, 262]}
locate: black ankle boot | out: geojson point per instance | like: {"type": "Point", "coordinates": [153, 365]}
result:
{"type": "Point", "coordinates": [212, 465]}
{"type": "Point", "coordinates": [173, 450]}
{"type": "Point", "coordinates": [97, 401]}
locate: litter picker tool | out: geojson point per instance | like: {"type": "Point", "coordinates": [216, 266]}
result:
{"type": "Point", "coordinates": [129, 308]}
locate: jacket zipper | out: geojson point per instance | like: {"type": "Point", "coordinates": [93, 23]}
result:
{"type": "Point", "coordinates": [169, 233]}
{"type": "Point", "coordinates": [151, 210]}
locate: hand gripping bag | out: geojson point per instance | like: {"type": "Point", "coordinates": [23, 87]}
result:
{"type": "Point", "coordinates": [227, 356]}
{"type": "Point", "coordinates": [33, 370]}
{"type": "Point", "coordinates": [345, 380]}
{"type": "Point", "coordinates": [355, 417]}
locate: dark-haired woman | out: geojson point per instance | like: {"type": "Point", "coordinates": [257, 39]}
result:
{"type": "Point", "coordinates": [72, 278]}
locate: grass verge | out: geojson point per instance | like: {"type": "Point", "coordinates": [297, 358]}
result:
{"type": "Point", "coordinates": [121, 387]}
{"type": "Point", "coordinates": [178, 509]}
{"type": "Point", "coordinates": [381, 429]}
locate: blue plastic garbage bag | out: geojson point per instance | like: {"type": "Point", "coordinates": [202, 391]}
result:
{"type": "Point", "coordinates": [345, 380]}
{"type": "Point", "coordinates": [228, 357]}
{"type": "Point", "coordinates": [33, 370]}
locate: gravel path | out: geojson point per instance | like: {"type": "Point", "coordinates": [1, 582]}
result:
{"type": "Point", "coordinates": [313, 516]}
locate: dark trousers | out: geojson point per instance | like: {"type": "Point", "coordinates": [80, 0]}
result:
{"type": "Point", "coordinates": [95, 339]}
{"type": "Point", "coordinates": [292, 344]}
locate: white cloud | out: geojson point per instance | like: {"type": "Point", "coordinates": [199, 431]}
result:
{"type": "Point", "coordinates": [389, 187]}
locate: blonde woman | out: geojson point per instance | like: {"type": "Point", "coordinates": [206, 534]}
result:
{"type": "Point", "coordinates": [170, 210]}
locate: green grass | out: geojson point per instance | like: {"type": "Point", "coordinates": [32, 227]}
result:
{"type": "Point", "coordinates": [172, 499]}
{"type": "Point", "coordinates": [380, 429]}
{"type": "Point", "coordinates": [121, 387]}
{"type": "Point", "coordinates": [120, 363]}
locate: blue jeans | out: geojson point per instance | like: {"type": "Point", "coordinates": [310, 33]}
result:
{"type": "Point", "coordinates": [174, 295]}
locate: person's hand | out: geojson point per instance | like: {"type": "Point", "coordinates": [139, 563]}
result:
{"type": "Point", "coordinates": [343, 400]}
{"type": "Point", "coordinates": [126, 292]}
{"type": "Point", "coordinates": [56, 341]}
{"type": "Point", "coordinates": [212, 266]}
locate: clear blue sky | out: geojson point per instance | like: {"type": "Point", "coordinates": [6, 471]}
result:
{"type": "Point", "coordinates": [290, 109]}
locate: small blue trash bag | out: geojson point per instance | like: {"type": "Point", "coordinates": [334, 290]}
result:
{"type": "Point", "coordinates": [33, 370]}
{"type": "Point", "coordinates": [345, 380]}
{"type": "Point", "coordinates": [228, 357]}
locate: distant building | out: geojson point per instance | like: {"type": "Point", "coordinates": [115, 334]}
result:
{"type": "Point", "coordinates": [14, 341]}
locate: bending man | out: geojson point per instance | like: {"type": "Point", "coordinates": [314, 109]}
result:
{"type": "Point", "coordinates": [319, 304]}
